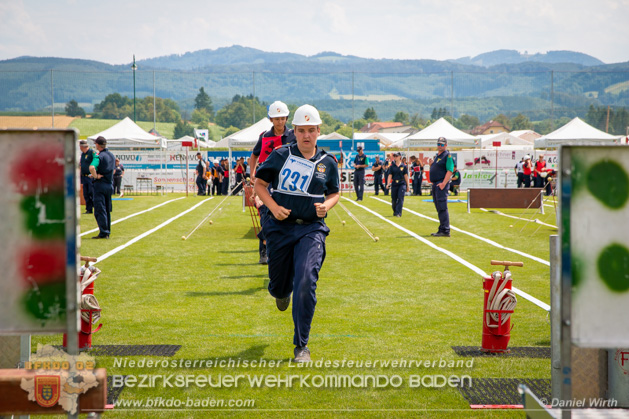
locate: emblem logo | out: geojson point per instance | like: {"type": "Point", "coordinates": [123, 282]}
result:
{"type": "Point", "coordinates": [47, 390]}
{"type": "Point", "coordinates": [278, 110]}
{"type": "Point", "coordinates": [321, 168]}
{"type": "Point", "coordinates": [307, 117]}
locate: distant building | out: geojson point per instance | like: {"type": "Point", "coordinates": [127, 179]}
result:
{"type": "Point", "coordinates": [491, 127]}
{"type": "Point", "coordinates": [526, 134]}
{"type": "Point", "coordinates": [378, 126]}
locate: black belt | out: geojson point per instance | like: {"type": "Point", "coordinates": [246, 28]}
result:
{"type": "Point", "coordinates": [294, 221]}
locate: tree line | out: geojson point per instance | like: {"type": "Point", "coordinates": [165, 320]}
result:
{"type": "Point", "coordinates": [244, 110]}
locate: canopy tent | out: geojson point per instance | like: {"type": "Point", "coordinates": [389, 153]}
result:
{"type": "Point", "coordinates": [176, 144]}
{"type": "Point", "coordinates": [127, 134]}
{"type": "Point", "coordinates": [576, 132]}
{"type": "Point", "coordinates": [526, 134]}
{"type": "Point", "coordinates": [332, 136]}
{"type": "Point", "coordinates": [246, 138]}
{"type": "Point", "coordinates": [385, 138]}
{"type": "Point", "coordinates": [440, 128]}
{"type": "Point", "coordinates": [505, 139]}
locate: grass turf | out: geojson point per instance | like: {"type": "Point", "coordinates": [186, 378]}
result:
{"type": "Point", "coordinates": [391, 300]}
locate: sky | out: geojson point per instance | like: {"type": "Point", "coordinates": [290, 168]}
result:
{"type": "Point", "coordinates": [111, 31]}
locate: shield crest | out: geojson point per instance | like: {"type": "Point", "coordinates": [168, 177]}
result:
{"type": "Point", "coordinates": [47, 390]}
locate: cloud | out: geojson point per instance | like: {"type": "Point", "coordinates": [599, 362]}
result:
{"type": "Point", "coordinates": [18, 31]}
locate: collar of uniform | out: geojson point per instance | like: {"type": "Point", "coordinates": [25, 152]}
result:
{"type": "Point", "coordinates": [295, 151]}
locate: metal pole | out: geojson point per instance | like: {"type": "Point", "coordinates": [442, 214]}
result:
{"type": "Point", "coordinates": [154, 107]}
{"type": "Point", "coordinates": [52, 97]}
{"type": "Point", "coordinates": [552, 100]}
{"type": "Point", "coordinates": [352, 111]}
{"type": "Point", "coordinates": [253, 103]}
{"type": "Point", "coordinates": [134, 67]}
{"type": "Point", "coordinates": [452, 95]}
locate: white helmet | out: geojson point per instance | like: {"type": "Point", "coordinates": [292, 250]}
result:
{"type": "Point", "coordinates": [306, 115]}
{"type": "Point", "coordinates": [278, 109]}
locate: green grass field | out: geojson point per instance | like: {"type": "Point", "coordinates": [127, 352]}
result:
{"type": "Point", "coordinates": [396, 299]}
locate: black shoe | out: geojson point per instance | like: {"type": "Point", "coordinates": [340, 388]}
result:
{"type": "Point", "coordinates": [282, 303]}
{"type": "Point", "coordinates": [302, 354]}
{"type": "Point", "coordinates": [105, 236]}
{"type": "Point", "coordinates": [398, 215]}
{"type": "Point", "coordinates": [440, 234]}
{"type": "Point", "coordinates": [264, 260]}
{"type": "Point", "coordinates": [88, 212]}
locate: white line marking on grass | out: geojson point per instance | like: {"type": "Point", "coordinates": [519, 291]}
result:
{"type": "Point", "coordinates": [493, 243]}
{"type": "Point", "coordinates": [133, 215]}
{"type": "Point", "coordinates": [153, 230]}
{"type": "Point", "coordinates": [537, 221]}
{"type": "Point", "coordinates": [459, 259]}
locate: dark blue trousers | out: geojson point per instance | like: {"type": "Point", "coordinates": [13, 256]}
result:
{"type": "Point", "coordinates": [102, 206]}
{"type": "Point", "coordinates": [359, 183]}
{"type": "Point", "coordinates": [417, 185]}
{"type": "Point", "coordinates": [440, 198]}
{"type": "Point", "coordinates": [398, 190]}
{"type": "Point", "coordinates": [377, 184]}
{"type": "Point", "coordinates": [225, 186]}
{"type": "Point", "coordinates": [88, 192]}
{"type": "Point", "coordinates": [200, 185]}
{"type": "Point", "coordinates": [296, 254]}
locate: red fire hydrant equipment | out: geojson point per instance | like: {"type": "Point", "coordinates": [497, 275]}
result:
{"type": "Point", "coordinates": [90, 310]}
{"type": "Point", "coordinates": [499, 304]}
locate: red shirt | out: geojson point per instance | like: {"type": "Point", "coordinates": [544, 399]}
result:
{"type": "Point", "coordinates": [527, 167]}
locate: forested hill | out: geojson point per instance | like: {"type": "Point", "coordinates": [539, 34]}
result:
{"type": "Point", "coordinates": [239, 58]}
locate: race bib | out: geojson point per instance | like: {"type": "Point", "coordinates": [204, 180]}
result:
{"type": "Point", "coordinates": [295, 176]}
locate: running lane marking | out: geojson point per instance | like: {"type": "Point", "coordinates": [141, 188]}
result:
{"type": "Point", "coordinates": [493, 243]}
{"type": "Point", "coordinates": [459, 259]}
{"type": "Point", "coordinates": [537, 221]}
{"type": "Point", "coordinates": [133, 215]}
{"type": "Point", "coordinates": [151, 231]}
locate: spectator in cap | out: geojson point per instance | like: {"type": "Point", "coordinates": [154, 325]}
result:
{"type": "Point", "coordinates": [87, 155]}
{"type": "Point", "coordinates": [360, 162]}
{"type": "Point", "coordinates": [102, 171]}
{"type": "Point", "coordinates": [440, 173]}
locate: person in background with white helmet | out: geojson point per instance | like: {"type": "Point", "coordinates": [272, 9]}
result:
{"type": "Point", "coordinates": [305, 186]}
{"type": "Point", "coordinates": [268, 141]}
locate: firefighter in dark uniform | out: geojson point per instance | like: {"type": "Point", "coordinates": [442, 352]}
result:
{"type": "Point", "coordinates": [398, 179]}
{"type": "Point", "coordinates": [360, 162]}
{"type": "Point", "coordinates": [378, 170]}
{"type": "Point", "coordinates": [87, 155]}
{"type": "Point", "coordinates": [305, 186]}
{"type": "Point", "coordinates": [200, 170]}
{"type": "Point", "coordinates": [102, 171]}
{"type": "Point", "coordinates": [268, 141]}
{"type": "Point", "coordinates": [440, 173]}
{"type": "Point", "coordinates": [417, 169]}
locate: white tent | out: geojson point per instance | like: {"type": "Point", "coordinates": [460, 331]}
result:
{"type": "Point", "coordinates": [505, 139]}
{"type": "Point", "coordinates": [576, 132]}
{"type": "Point", "coordinates": [384, 138]}
{"type": "Point", "coordinates": [440, 128]}
{"type": "Point", "coordinates": [526, 134]}
{"type": "Point", "coordinates": [332, 136]}
{"type": "Point", "coordinates": [127, 134]}
{"type": "Point", "coordinates": [176, 144]}
{"type": "Point", "coordinates": [246, 138]}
